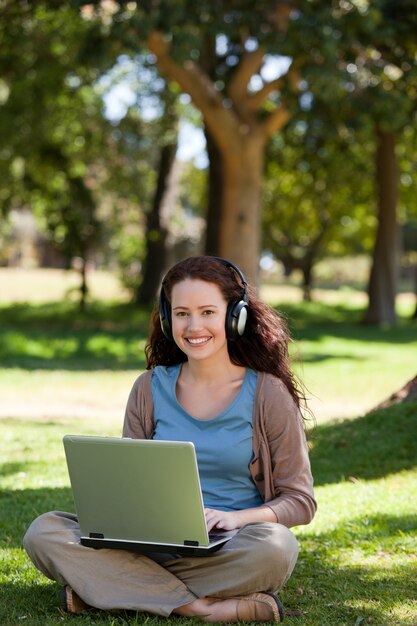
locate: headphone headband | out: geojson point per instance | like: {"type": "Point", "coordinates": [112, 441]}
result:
{"type": "Point", "coordinates": [238, 272]}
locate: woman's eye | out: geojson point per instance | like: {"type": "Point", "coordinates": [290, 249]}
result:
{"type": "Point", "coordinates": [208, 312]}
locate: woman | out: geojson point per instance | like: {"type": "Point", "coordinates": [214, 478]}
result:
{"type": "Point", "coordinates": [218, 375]}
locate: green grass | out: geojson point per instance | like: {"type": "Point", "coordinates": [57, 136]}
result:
{"type": "Point", "coordinates": [61, 371]}
{"type": "Point", "coordinates": [347, 367]}
{"type": "Point", "coordinates": [57, 335]}
{"type": "Point", "coordinates": [358, 557]}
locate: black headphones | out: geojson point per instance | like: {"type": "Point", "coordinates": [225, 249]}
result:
{"type": "Point", "coordinates": [236, 315]}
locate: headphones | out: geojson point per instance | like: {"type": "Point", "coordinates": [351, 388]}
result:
{"type": "Point", "coordinates": [236, 314]}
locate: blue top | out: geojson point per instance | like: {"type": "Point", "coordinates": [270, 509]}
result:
{"type": "Point", "coordinates": [223, 444]}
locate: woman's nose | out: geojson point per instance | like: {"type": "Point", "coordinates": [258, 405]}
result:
{"type": "Point", "coordinates": [194, 322]}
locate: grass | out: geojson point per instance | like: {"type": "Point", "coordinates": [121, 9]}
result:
{"type": "Point", "coordinates": [358, 557]}
{"type": "Point", "coordinates": [62, 359]}
{"type": "Point", "coordinates": [62, 371]}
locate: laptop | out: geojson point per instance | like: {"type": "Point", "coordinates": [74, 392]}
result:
{"type": "Point", "coordinates": [139, 494]}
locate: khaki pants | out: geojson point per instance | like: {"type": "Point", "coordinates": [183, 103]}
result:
{"type": "Point", "coordinates": [260, 557]}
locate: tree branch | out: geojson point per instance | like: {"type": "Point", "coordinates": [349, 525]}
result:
{"type": "Point", "coordinates": [238, 86]}
{"type": "Point", "coordinates": [249, 65]}
{"type": "Point", "coordinates": [276, 120]}
{"type": "Point", "coordinates": [292, 78]}
{"type": "Point", "coordinates": [255, 100]}
{"type": "Point", "coordinates": [191, 78]}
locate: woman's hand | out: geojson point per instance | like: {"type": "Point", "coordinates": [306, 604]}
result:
{"type": "Point", "coordinates": [222, 520]}
{"type": "Point", "coordinates": [230, 520]}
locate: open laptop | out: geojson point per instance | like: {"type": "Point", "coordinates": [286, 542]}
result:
{"type": "Point", "coordinates": [141, 495]}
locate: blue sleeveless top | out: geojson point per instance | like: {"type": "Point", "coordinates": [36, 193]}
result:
{"type": "Point", "coordinates": [223, 444]}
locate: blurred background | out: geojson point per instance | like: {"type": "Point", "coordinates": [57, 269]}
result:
{"type": "Point", "coordinates": [281, 136]}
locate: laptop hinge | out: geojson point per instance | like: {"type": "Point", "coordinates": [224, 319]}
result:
{"type": "Point", "coordinates": [96, 535]}
{"type": "Point", "coordinates": [191, 543]}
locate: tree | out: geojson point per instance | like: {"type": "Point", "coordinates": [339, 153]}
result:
{"type": "Point", "coordinates": [383, 281]}
{"type": "Point", "coordinates": [375, 78]}
{"type": "Point", "coordinates": [52, 125]}
{"type": "Point", "coordinates": [240, 119]}
{"type": "Point", "coordinates": [392, 108]}
{"type": "Point", "coordinates": [240, 133]}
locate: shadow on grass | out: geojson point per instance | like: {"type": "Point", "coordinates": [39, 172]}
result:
{"type": "Point", "coordinates": [72, 350]}
{"type": "Point", "coordinates": [380, 443]}
{"type": "Point", "coordinates": [319, 357]}
{"type": "Point", "coordinates": [18, 508]}
{"type": "Point", "coordinates": [314, 320]}
{"type": "Point", "coordinates": [14, 467]}
{"type": "Point", "coordinates": [367, 533]}
{"type": "Point", "coordinates": [38, 604]}
{"type": "Point", "coordinates": [29, 603]}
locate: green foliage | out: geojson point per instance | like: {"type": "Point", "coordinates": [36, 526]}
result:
{"type": "Point", "coordinates": [193, 189]}
{"type": "Point", "coordinates": [90, 182]}
{"type": "Point", "coordinates": [358, 70]}
{"type": "Point", "coordinates": [317, 193]}
{"type": "Point", "coordinates": [51, 124]}
{"type": "Point", "coordinates": [359, 58]}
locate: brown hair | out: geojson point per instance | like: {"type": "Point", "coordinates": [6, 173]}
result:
{"type": "Point", "coordinates": [263, 346]}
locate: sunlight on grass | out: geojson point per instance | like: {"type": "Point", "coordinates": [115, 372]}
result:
{"type": "Point", "coordinates": [41, 394]}
{"type": "Point", "coordinates": [53, 285]}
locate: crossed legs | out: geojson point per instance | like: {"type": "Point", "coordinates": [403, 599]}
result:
{"type": "Point", "coordinates": [260, 558]}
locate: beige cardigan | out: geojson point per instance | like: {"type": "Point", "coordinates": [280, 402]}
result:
{"type": "Point", "coordinates": [280, 467]}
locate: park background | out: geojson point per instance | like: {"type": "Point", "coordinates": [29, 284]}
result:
{"type": "Point", "coordinates": [280, 135]}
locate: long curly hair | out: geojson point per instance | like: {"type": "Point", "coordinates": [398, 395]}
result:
{"type": "Point", "coordinates": [262, 347]}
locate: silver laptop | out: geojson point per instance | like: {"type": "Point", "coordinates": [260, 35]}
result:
{"type": "Point", "coordinates": [141, 495]}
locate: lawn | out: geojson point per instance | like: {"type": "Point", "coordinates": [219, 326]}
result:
{"type": "Point", "coordinates": [62, 371]}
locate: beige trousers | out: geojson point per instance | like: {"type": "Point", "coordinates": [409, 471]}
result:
{"type": "Point", "coordinates": [260, 557]}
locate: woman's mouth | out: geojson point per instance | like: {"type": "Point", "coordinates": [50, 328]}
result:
{"type": "Point", "coordinates": [197, 341]}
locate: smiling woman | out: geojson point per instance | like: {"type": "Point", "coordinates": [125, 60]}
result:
{"type": "Point", "coordinates": [219, 377]}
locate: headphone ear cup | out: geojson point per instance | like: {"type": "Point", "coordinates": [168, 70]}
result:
{"type": "Point", "coordinates": [237, 314]}
{"type": "Point", "coordinates": [165, 317]}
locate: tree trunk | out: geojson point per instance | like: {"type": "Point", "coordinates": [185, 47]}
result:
{"type": "Point", "coordinates": [215, 178]}
{"type": "Point", "coordinates": [214, 197]}
{"type": "Point", "coordinates": [156, 231]}
{"type": "Point", "coordinates": [84, 286]}
{"type": "Point", "coordinates": [414, 316]}
{"type": "Point", "coordinates": [307, 271]}
{"type": "Point", "coordinates": [383, 282]}
{"type": "Point", "coordinates": [240, 223]}
{"type": "Point", "coordinates": [240, 127]}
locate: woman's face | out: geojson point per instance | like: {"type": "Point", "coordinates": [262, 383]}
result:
{"type": "Point", "coordinates": [198, 319]}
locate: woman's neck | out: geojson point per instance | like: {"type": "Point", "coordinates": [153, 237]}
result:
{"type": "Point", "coordinates": [208, 373]}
